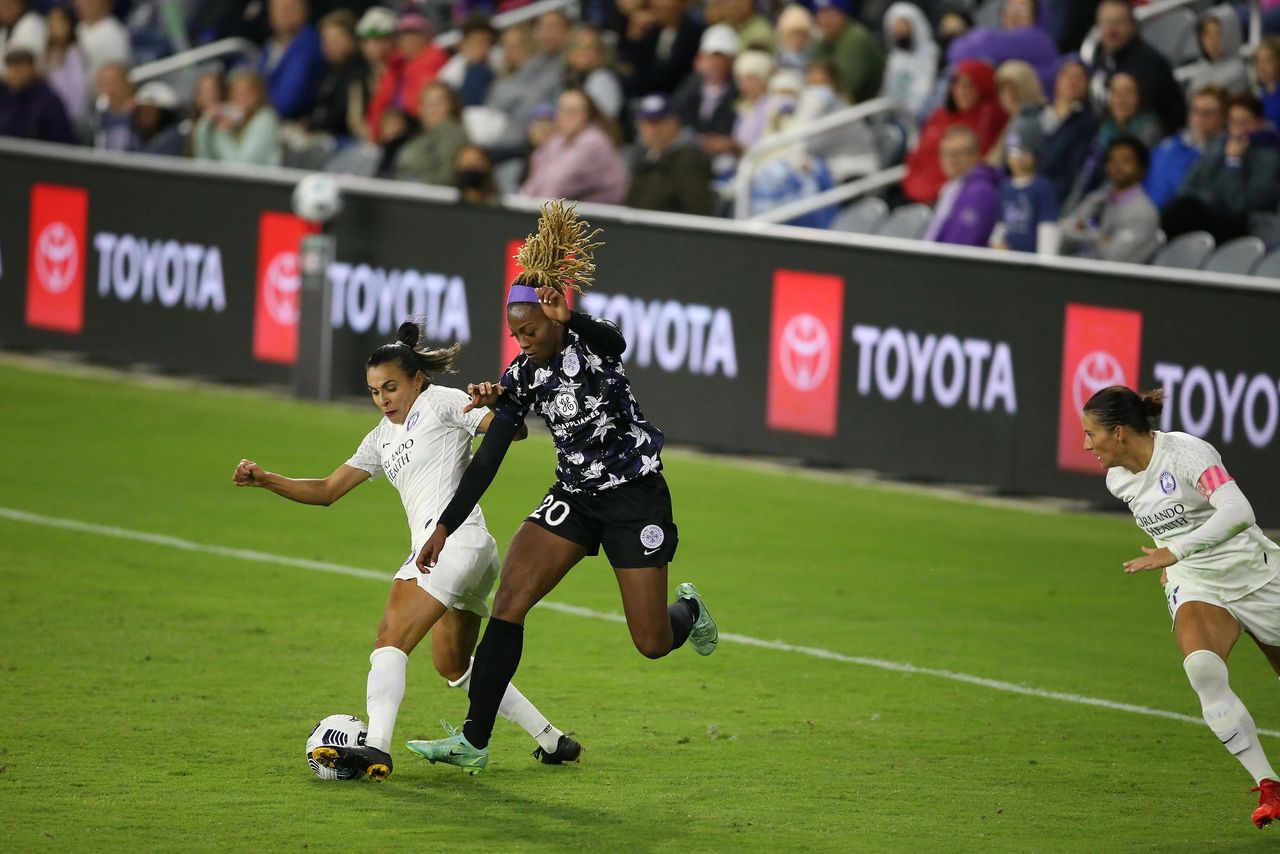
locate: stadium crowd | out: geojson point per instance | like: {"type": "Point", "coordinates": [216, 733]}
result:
{"type": "Point", "coordinates": [1012, 135]}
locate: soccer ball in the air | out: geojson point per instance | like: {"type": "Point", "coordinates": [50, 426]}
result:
{"type": "Point", "coordinates": [336, 731]}
{"type": "Point", "coordinates": [317, 198]}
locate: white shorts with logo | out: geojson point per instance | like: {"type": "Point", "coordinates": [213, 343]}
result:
{"type": "Point", "coordinates": [464, 575]}
{"type": "Point", "coordinates": [1258, 613]}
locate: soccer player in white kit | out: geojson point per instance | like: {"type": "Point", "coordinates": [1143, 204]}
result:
{"type": "Point", "coordinates": [422, 446]}
{"type": "Point", "coordinates": [1219, 568]}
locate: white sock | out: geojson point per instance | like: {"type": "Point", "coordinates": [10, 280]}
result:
{"type": "Point", "coordinates": [516, 708]}
{"type": "Point", "coordinates": [387, 665]}
{"type": "Point", "coordinates": [1225, 714]}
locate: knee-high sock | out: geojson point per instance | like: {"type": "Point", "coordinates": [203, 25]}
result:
{"type": "Point", "coordinates": [515, 707]}
{"type": "Point", "coordinates": [386, 689]}
{"type": "Point", "coordinates": [1225, 714]}
{"type": "Point", "coordinates": [683, 613]}
{"type": "Point", "coordinates": [497, 658]}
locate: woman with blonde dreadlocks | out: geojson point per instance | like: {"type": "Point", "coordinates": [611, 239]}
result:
{"type": "Point", "coordinates": [609, 489]}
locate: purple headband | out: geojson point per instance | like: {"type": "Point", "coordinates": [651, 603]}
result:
{"type": "Point", "coordinates": [522, 293]}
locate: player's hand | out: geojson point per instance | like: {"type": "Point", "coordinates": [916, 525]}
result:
{"type": "Point", "coordinates": [554, 304]}
{"type": "Point", "coordinates": [248, 473]}
{"type": "Point", "coordinates": [1151, 559]}
{"type": "Point", "coordinates": [431, 550]}
{"type": "Point", "coordinates": [483, 394]}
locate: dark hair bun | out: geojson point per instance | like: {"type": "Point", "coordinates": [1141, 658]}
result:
{"type": "Point", "coordinates": [1152, 404]}
{"type": "Point", "coordinates": [408, 333]}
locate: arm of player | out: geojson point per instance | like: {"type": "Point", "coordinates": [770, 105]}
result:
{"type": "Point", "coordinates": [310, 490]}
{"type": "Point", "coordinates": [1233, 514]}
{"type": "Point", "coordinates": [600, 335]}
{"type": "Point", "coordinates": [475, 480]}
{"type": "Point", "coordinates": [483, 427]}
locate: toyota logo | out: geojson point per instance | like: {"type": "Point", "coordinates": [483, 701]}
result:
{"type": "Point", "coordinates": [1096, 371]}
{"type": "Point", "coordinates": [804, 352]}
{"type": "Point", "coordinates": [57, 257]}
{"type": "Point", "coordinates": [280, 288]}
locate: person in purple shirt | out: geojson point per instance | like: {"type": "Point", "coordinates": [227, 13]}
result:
{"type": "Point", "coordinates": [292, 61]}
{"type": "Point", "coordinates": [1017, 37]}
{"type": "Point", "coordinates": [1027, 198]}
{"type": "Point", "coordinates": [969, 203]}
{"type": "Point", "coordinates": [29, 108]}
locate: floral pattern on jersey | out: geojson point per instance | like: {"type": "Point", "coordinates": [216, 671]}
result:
{"type": "Point", "coordinates": [602, 439]}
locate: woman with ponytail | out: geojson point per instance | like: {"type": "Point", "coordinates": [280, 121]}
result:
{"type": "Point", "coordinates": [609, 489]}
{"type": "Point", "coordinates": [1218, 568]}
{"type": "Point", "coordinates": [422, 445]}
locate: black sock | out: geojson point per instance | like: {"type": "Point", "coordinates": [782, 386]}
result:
{"type": "Point", "coordinates": [497, 658]}
{"type": "Point", "coordinates": [683, 613]}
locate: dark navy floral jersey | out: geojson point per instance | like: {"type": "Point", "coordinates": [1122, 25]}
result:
{"type": "Point", "coordinates": [602, 439]}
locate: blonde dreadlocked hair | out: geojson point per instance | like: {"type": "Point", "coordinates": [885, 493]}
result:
{"type": "Point", "coordinates": [561, 254]}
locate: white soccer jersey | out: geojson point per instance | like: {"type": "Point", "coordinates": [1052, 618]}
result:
{"type": "Point", "coordinates": [424, 457]}
{"type": "Point", "coordinates": [1170, 501]}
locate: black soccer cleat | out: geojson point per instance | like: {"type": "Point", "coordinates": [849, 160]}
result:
{"type": "Point", "coordinates": [357, 757]}
{"type": "Point", "coordinates": [567, 750]}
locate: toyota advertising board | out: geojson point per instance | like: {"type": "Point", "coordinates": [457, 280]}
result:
{"type": "Point", "coordinates": [952, 367]}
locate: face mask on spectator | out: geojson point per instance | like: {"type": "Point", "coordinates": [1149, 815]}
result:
{"type": "Point", "coordinates": [471, 179]}
{"type": "Point", "coordinates": [904, 43]}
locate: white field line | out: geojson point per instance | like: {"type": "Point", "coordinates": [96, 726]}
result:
{"type": "Point", "coordinates": [813, 652]}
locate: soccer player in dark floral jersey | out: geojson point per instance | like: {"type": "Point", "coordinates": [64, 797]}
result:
{"type": "Point", "coordinates": [609, 488]}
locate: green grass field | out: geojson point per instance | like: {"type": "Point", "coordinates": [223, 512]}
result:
{"type": "Point", "coordinates": [158, 698]}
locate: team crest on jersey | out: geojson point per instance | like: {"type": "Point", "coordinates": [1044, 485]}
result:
{"type": "Point", "coordinates": [652, 536]}
{"type": "Point", "coordinates": [1167, 484]}
{"type": "Point", "coordinates": [570, 364]}
{"type": "Point", "coordinates": [566, 404]}
{"type": "Point", "coordinates": [413, 419]}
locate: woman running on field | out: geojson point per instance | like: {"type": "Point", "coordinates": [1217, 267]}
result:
{"type": "Point", "coordinates": [609, 488]}
{"type": "Point", "coordinates": [1219, 568]}
{"type": "Point", "coordinates": [422, 445]}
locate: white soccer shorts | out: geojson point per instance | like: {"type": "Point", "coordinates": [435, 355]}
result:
{"type": "Point", "coordinates": [1258, 613]}
{"type": "Point", "coordinates": [464, 575]}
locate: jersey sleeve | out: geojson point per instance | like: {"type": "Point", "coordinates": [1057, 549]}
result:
{"type": "Point", "coordinates": [449, 403]}
{"type": "Point", "coordinates": [1199, 464]}
{"type": "Point", "coordinates": [367, 456]}
{"type": "Point", "coordinates": [515, 401]}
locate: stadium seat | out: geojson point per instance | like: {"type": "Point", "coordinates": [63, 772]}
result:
{"type": "Point", "coordinates": [891, 142]}
{"type": "Point", "coordinates": [1174, 35]}
{"type": "Point", "coordinates": [909, 221]}
{"type": "Point", "coordinates": [1237, 256]}
{"type": "Point", "coordinates": [1185, 252]}
{"type": "Point", "coordinates": [862, 217]}
{"type": "Point", "coordinates": [1265, 226]}
{"type": "Point", "coordinates": [1269, 267]}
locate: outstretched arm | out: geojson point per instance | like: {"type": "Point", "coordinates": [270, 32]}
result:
{"type": "Point", "coordinates": [310, 490]}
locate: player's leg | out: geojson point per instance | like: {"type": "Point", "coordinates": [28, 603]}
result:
{"type": "Point", "coordinates": [1206, 634]}
{"type": "Point", "coordinates": [452, 641]}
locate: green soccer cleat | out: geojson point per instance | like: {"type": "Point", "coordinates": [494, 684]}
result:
{"type": "Point", "coordinates": [704, 635]}
{"type": "Point", "coordinates": [452, 750]}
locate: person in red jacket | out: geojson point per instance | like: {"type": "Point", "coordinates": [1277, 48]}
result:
{"type": "Point", "coordinates": [410, 69]}
{"type": "Point", "coordinates": [972, 102]}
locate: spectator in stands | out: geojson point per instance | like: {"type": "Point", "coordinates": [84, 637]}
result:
{"type": "Point", "coordinates": [850, 47]}
{"type": "Point", "coordinates": [790, 174]}
{"type": "Point", "coordinates": [671, 172]}
{"type": "Point", "coordinates": [22, 26]}
{"type": "Point", "coordinates": [954, 20]}
{"type": "Point", "coordinates": [530, 79]}
{"type": "Point", "coordinates": [291, 61]}
{"type": "Point", "coordinates": [753, 29]}
{"type": "Point", "coordinates": [1174, 157]}
{"type": "Point", "coordinates": [64, 64]}
{"type": "Point", "coordinates": [588, 68]}
{"type": "Point", "coordinates": [580, 161]}
{"type": "Point", "coordinates": [1218, 32]}
{"type": "Point", "coordinates": [1021, 98]}
{"type": "Point", "coordinates": [473, 176]}
{"type": "Point", "coordinates": [428, 157]}
{"type": "Point", "coordinates": [211, 92]}
{"type": "Point", "coordinates": [343, 89]}
{"type": "Point", "coordinates": [1238, 174]}
{"type": "Point", "coordinates": [1116, 222]}
{"type": "Point", "coordinates": [1266, 68]}
{"type": "Point", "coordinates": [969, 203]}
{"type": "Point", "coordinates": [470, 72]}
{"type": "Point", "coordinates": [156, 126]}
{"type": "Point", "coordinates": [1124, 117]}
{"type": "Point", "coordinates": [29, 108]}
{"type": "Point", "coordinates": [102, 38]}
{"type": "Point", "coordinates": [112, 119]}
{"type": "Point", "coordinates": [1027, 198]}
{"type": "Point", "coordinates": [706, 101]}
{"type": "Point", "coordinates": [751, 72]}
{"type": "Point", "coordinates": [912, 66]}
{"type": "Point", "coordinates": [376, 31]}
{"type": "Point", "coordinates": [1068, 125]}
{"type": "Point", "coordinates": [244, 129]}
{"type": "Point", "coordinates": [395, 130]}
{"type": "Point", "coordinates": [1071, 21]}
{"type": "Point", "coordinates": [1017, 37]}
{"type": "Point", "coordinates": [551, 32]}
{"type": "Point", "coordinates": [971, 102]}
{"type": "Point", "coordinates": [658, 46]}
{"type": "Point", "coordinates": [1121, 50]}
{"type": "Point", "coordinates": [795, 38]}
{"type": "Point", "coordinates": [849, 151]}
{"type": "Point", "coordinates": [410, 69]}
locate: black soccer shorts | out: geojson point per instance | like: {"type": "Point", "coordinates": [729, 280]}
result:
{"type": "Point", "coordinates": [632, 521]}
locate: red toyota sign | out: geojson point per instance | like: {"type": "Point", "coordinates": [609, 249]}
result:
{"type": "Point", "coordinates": [56, 256]}
{"type": "Point", "coordinates": [275, 313]}
{"type": "Point", "coordinates": [804, 352]}
{"type": "Point", "coordinates": [1101, 348]}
